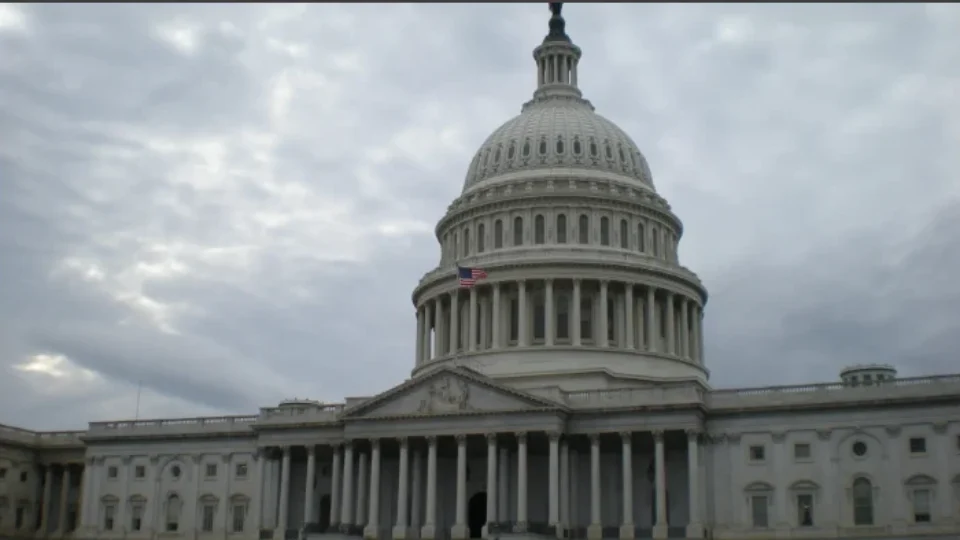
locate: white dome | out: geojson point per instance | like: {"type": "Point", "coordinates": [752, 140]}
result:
{"type": "Point", "coordinates": [558, 131]}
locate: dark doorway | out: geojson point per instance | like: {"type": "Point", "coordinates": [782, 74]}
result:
{"type": "Point", "coordinates": [324, 518]}
{"type": "Point", "coordinates": [477, 514]}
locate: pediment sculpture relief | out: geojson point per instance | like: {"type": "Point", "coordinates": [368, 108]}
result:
{"type": "Point", "coordinates": [446, 395]}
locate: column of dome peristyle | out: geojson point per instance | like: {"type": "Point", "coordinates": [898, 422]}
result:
{"type": "Point", "coordinates": [559, 208]}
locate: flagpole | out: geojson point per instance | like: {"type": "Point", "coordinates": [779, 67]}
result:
{"type": "Point", "coordinates": [139, 387]}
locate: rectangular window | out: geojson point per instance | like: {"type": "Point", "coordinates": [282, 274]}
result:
{"type": "Point", "coordinates": [108, 514]}
{"type": "Point", "coordinates": [208, 511]}
{"type": "Point", "coordinates": [111, 472]}
{"type": "Point", "coordinates": [563, 318]}
{"type": "Point", "coordinates": [239, 513]}
{"type": "Point", "coordinates": [805, 510]}
{"type": "Point", "coordinates": [758, 510]}
{"type": "Point", "coordinates": [921, 506]}
{"type": "Point", "coordinates": [918, 445]}
{"type": "Point", "coordinates": [801, 451]}
{"type": "Point", "coordinates": [757, 453]}
{"type": "Point", "coordinates": [539, 319]}
{"type": "Point", "coordinates": [586, 319]}
{"type": "Point", "coordinates": [211, 470]}
{"type": "Point", "coordinates": [136, 517]}
{"type": "Point", "coordinates": [241, 470]}
{"type": "Point", "coordinates": [139, 471]}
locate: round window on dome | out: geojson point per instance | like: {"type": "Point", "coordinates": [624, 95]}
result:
{"type": "Point", "coordinates": [559, 145]}
{"type": "Point", "coordinates": [859, 448]}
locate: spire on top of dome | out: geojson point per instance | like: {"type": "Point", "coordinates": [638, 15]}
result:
{"type": "Point", "coordinates": [557, 24]}
{"type": "Point", "coordinates": [557, 59]}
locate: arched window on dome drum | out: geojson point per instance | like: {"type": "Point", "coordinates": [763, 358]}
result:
{"type": "Point", "coordinates": [481, 238]}
{"type": "Point", "coordinates": [539, 229]}
{"type": "Point", "coordinates": [583, 229]}
{"type": "Point", "coordinates": [604, 231]}
{"type": "Point", "coordinates": [862, 502]}
{"type": "Point", "coordinates": [654, 242]}
{"type": "Point", "coordinates": [561, 229]}
{"type": "Point", "coordinates": [497, 234]}
{"type": "Point", "coordinates": [562, 331]}
{"type": "Point", "coordinates": [624, 234]}
{"type": "Point", "coordinates": [641, 238]}
{"type": "Point", "coordinates": [518, 231]}
{"type": "Point", "coordinates": [466, 242]}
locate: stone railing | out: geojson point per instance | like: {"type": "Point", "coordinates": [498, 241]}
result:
{"type": "Point", "coordinates": [174, 426]}
{"type": "Point", "coordinates": [40, 439]}
{"type": "Point", "coordinates": [837, 392]}
{"type": "Point", "coordinates": [635, 397]}
{"type": "Point", "coordinates": [295, 414]}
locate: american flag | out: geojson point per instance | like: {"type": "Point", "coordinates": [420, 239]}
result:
{"type": "Point", "coordinates": [469, 276]}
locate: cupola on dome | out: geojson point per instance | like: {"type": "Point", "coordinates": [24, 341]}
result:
{"type": "Point", "coordinates": [558, 129]}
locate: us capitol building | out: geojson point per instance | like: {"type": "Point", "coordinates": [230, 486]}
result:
{"type": "Point", "coordinates": [566, 395]}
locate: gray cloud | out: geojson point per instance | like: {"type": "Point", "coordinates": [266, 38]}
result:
{"type": "Point", "coordinates": [226, 202]}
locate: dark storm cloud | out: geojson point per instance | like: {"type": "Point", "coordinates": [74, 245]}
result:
{"type": "Point", "coordinates": [233, 203]}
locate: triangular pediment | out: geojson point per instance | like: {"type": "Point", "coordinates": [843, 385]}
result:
{"type": "Point", "coordinates": [449, 391]}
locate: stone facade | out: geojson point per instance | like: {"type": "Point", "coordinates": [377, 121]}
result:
{"type": "Point", "coordinates": [565, 395]}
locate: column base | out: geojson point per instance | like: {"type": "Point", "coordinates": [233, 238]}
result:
{"type": "Point", "coordinates": [627, 531]}
{"type": "Point", "coordinates": [428, 532]}
{"type": "Point", "coordinates": [660, 532]}
{"type": "Point", "coordinates": [595, 532]}
{"type": "Point", "coordinates": [694, 530]}
{"type": "Point", "coordinates": [459, 532]}
{"type": "Point", "coordinates": [371, 531]}
{"type": "Point", "coordinates": [484, 532]}
{"type": "Point", "coordinates": [401, 533]}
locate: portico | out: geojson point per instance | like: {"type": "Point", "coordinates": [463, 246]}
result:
{"type": "Point", "coordinates": [473, 459]}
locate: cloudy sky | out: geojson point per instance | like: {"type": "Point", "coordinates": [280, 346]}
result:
{"type": "Point", "coordinates": [232, 203]}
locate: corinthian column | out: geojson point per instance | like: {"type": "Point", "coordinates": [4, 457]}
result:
{"type": "Point", "coordinates": [549, 316]}
{"type": "Point", "coordinates": [429, 526]}
{"type": "Point", "coordinates": [628, 316]}
{"type": "Point", "coordinates": [595, 529]}
{"type": "Point", "coordinates": [419, 352]}
{"type": "Point", "coordinates": [627, 527]}
{"type": "Point", "coordinates": [576, 313]}
{"type": "Point", "coordinates": [522, 477]}
{"type": "Point", "coordinates": [308, 489]}
{"type": "Point", "coordinates": [671, 325]}
{"type": "Point", "coordinates": [553, 482]}
{"type": "Point", "coordinates": [346, 502]}
{"type": "Point", "coordinates": [522, 338]}
{"type": "Point", "coordinates": [660, 526]}
{"type": "Point", "coordinates": [496, 320]}
{"type": "Point", "coordinates": [603, 327]}
{"type": "Point", "coordinates": [403, 492]}
{"type": "Point", "coordinates": [491, 484]}
{"type": "Point", "coordinates": [695, 527]}
{"type": "Point", "coordinates": [428, 351]}
{"type": "Point", "coordinates": [460, 530]}
{"type": "Point", "coordinates": [684, 329]}
{"type": "Point", "coordinates": [454, 321]}
{"type": "Point", "coordinates": [472, 330]}
{"type": "Point", "coordinates": [372, 530]}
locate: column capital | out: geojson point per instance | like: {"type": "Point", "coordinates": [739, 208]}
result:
{"type": "Point", "coordinates": [577, 281]}
{"type": "Point", "coordinates": [548, 281]}
{"type": "Point", "coordinates": [692, 434]}
{"type": "Point", "coordinates": [604, 282]}
{"type": "Point", "coordinates": [431, 440]}
{"type": "Point", "coordinates": [348, 444]}
{"type": "Point", "coordinates": [311, 450]}
{"type": "Point", "coordinates": [554, 436]}
{"type": "Point", "coordinates": [402, 440]}
{"type": "Point", "coordinates": [461, 438]}
{"type": "Point", "coordinates": [521, 436]}
{"type": "Point", "coordinates": [657, 435]}
{"type": "Point", "coordinates": [374, 444]}
{"type": "Point", "coordinates": [286, 451]}
{"type": "Point", "coordinates": [627, 436]}
{"type": "Point", "coordinates": [594, 438]}
{"type": "Point", "coordinates": [491, 437]}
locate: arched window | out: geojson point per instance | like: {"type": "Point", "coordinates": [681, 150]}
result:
{"type": "Point", "coordinates": [173, 508]}
{"type": "Point", "coordinates": [862, 502]}
{"type": "Point", "coordinates": [604, 231]}
{"type": "Point", "coordinates": [624, 234]}
{"type": "Point", "coordinates": [561, 229]}
{"type": "Point", "coordinates": [518, 231]}
{"type": "Point", "coordinates": [466, 241]}
{"type": "Point", "coordinates": [655, 244]}
{"type": "Point", "coordinates": [481, 238]}
{"type": "Point", "coordinates": [539, 230]}
{"type": "Point", "coordinates": [497, 234]}
{"type": "Point", "coordinates": [641, 238]}
{"type": "Point", "coordinates": [583, 229]}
